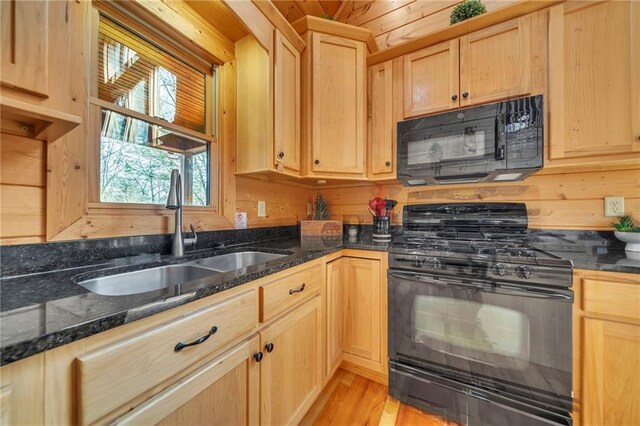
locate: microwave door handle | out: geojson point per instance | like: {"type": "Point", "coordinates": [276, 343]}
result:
{"type": "Point", "coordinates": [499, 147]}
{"type": "Point", "coordinates": [534, 292]}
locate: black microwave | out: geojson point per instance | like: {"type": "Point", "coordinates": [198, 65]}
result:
{"type": "Point", "coordinates": [489, 143]}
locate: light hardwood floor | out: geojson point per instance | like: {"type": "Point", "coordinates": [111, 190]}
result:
{"type": "Point", "coordinates": [349, 399]}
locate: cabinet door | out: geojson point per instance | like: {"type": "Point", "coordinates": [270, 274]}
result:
{"type": "Point", "coordinates": [338, 103]}
{"type": "Point", "coordinates": [495, 62]}
{"type": "Point", "coordinates": [286, 104]}
{"type": "Point", "coordinates": [290, 375]}
{"type": "Point", "coordinates": [381, 126]}
{"type": "Point", "coordinates": [22, 392]}
{"type": "Point", "coordinates": [431, 78]}
{"type": "Point", "coordinates": [222, 392]}
{"type": "Point", "coordinates": [363, 311]}
{"type": "Point", "coordinates": [611, 382]}
{"type": "Point", "coordinates": [335, 296]}
{"type": "Point", "coordinates": [24, 45]}
{"type": "Point", "coordinates": [594, 78]}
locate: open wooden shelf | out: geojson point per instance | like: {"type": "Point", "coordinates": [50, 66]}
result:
{"type": "Point", "coordinates": [35, 121]}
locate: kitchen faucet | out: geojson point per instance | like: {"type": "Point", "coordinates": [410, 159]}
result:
{"type": "Point", "coordinates": [174, 202]}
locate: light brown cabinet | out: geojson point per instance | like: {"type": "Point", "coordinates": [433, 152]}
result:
{"type": "Point", "coordinates": [360, 299]}
{"type": "Point", "coordinates": [25, 45]}
{"type": "Point", "coordinates": [594, 83]}
{"type": "Point", "coordinates": [334, 301]}
{"type": "Point", "coordinates": [607, 348]}
{"type": "Point", "coordinates": [268, 107]}
{"type": "Point", "coordinates": [486, 65]}
{"type": "Point", "coordinates": [290, 372]}
{"type": "Point", "coordinates": [286, 111]}
{"type": "Point", "coordinates": [431, 79]}
{"type": "Point", "coordinates": [334, 107]}
{"type": "Point", "coordinates": [381, 135]}
{"type": "Point", "coordinates": [224, 391]}
{"type": "Point", "coordinates": [22, 392]}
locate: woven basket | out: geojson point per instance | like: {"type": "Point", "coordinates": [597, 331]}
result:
{"type": "Point", "coordinates": [320, 227]}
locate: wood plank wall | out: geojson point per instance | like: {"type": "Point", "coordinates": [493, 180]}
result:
{"type": "Point", "coordinates": [395, 22]}
{"type": "Point", "coordinates": [22, 190]}
{"type": "Point", "coordinates": [554, 201]}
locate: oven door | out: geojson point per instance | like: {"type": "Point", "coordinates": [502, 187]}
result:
{"type": "Point", "coordinates": [499, 336]}
{"type": "Point", "coordinates": [455, 147]}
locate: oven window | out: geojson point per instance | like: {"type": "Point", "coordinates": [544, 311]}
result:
{"type": "Point", "coordinates": [471, 144]}
{"type": "Point", "coordinates": [443, 322]}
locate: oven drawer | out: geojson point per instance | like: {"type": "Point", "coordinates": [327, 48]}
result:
{"type": "Point", "coordinates": [284, 293]}
{"type": "Point", "coordinates": [117, 373]}
{"type": "Point", "coordinates": [463, 403]}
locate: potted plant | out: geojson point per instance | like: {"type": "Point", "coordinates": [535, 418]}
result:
{"type": "Point", "coordinates": [321, 225]}
{"type": "Point", "coordinates": [467, 9]}
{"type": "Point", "coordinates": [628, 232]}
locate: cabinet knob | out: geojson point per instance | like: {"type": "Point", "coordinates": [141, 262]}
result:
{"type": "Point", "coordinates": [388, 163]}
{"type": "Point", "coordinates": [258, 356]}
{"type": "Point", "coordinates": [454, 97]}
{"type": "Point", "coordinates": [269, 347]}
{"type": "Point", "coordinates": [317, 161]}
{"type": "Point", "coordinates": [465, 94]}
{"type": "Point", "coordinates": [281, 154]}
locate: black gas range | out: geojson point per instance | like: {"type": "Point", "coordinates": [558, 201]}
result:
{"type": "Point", "coordinates": [479, 321]}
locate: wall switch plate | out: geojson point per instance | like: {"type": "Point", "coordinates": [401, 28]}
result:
{"type": "Point", "coordinates": [613, 206]}
{"type": "Point", "coordinates": [262, 209]}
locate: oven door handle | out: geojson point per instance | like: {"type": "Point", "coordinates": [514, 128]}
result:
{"type": "Point", "coordinates": [446, 282]}
{"type": "Point", "coordinates": [534, 292]}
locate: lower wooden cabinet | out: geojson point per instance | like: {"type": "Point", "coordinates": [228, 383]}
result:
{"type": "Point", "coordinates": [357, 314]}
{"type": "Point", "coordinates": [224, 391]}
{"type": "Point", "coordinates": [290, 371]}
{"type": "Point", "coordinates": [607, 364]}
{"type": "Point", "coordinates": [22, 392]}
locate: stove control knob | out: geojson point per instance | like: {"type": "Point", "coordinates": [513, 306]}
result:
{"type": "Point", "coordinates": [499, 269]}
{"type": "Point", "coordinates": [417, 262]}
{"type": "Point", "coordinates": [434, 263]}
{"type": "Point", "coordinates": [523, 271]}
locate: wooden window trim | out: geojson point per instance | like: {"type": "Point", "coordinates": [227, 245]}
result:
{"type": "Point", "coordinates": [94, 206]}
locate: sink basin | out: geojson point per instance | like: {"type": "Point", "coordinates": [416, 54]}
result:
{"type": "Point", "coordinates": [231, 261]}
{"type": "Point", "coordinates": [145, 280]}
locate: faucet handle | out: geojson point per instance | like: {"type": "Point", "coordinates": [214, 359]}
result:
{"type": "Point", "coordinates": [193, 240]}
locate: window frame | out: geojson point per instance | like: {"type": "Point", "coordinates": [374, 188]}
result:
{"type": "Point", "coordinates": [94, 205]}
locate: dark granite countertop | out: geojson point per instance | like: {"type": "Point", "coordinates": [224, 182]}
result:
{"type": "Point", "coordinates": [46, 309]}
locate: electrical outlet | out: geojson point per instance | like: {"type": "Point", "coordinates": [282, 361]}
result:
{"type": "Point", "coordinates": [613, 206]}
{"type": "Point", "coordinates": [309, 209]}
{"type": "Point", "coordinates": [262, 209]}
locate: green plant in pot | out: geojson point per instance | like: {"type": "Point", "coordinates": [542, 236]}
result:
{"type": "Point", "coordinates": [321, 225]}
{"type": "Point", "coordinates": [628, 232]}
{"type": "Point", "coordinates": [467, 9]}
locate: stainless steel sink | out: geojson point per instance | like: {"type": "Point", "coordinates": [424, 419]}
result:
{"type": "Point", "coordinates": [145, 280]}
{"type": "Point", "coordinates": [231, 261]}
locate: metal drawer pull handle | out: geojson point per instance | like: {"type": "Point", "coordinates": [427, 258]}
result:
{"type": "Point", "coordinates": [297, 290]}
{"type": "Point", "coordinates": [180, 346]}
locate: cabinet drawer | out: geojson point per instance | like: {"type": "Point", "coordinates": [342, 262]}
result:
{"type": "Point", "coordinates": [279, 295]}
{"type": "Point", "coordinates": [116, 374]}
{"type": "Point", "coordinates": [611, 298]}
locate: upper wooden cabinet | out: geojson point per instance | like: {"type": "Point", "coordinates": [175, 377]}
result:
{"type": "Point", "coordinates": [286, 111]}
{"type": "Point", "coordinates": [268, 98]}
{"type": "Point", "coordinates": [495, 63]}
{"type": "Point", "coordinates": [25, 45]}
{"type": "Point", "coordinates": [431, 79]}
{"type": "Point", "coordinates": [334, 108]}
{"type": "Point", "coordinates": [381, 135]}
{"type": "Point", "coordinates": [487, 65]}
{"type": "Point", "coordinates": [594, 79]}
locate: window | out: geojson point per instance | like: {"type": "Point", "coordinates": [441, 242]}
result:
{"type": "Point", "coordinates": [152, 120]}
